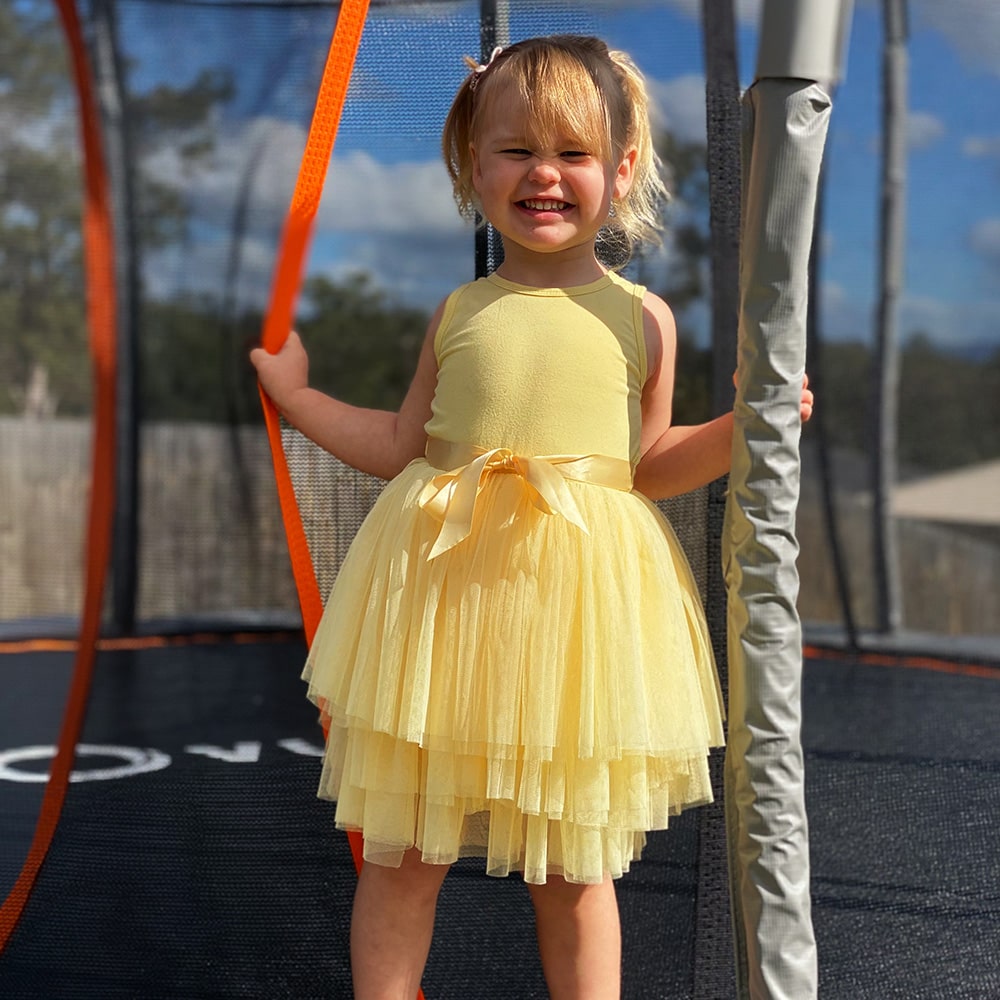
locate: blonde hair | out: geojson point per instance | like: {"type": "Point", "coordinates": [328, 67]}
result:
{"type": "Point", "coordinates": [572, 86]}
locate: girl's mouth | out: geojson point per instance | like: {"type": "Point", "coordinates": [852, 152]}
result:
{"type": "Point", "coordinates": [544, 205]}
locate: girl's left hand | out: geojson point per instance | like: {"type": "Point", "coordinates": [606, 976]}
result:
{"type": "Point", "coordinates": [807, 400]}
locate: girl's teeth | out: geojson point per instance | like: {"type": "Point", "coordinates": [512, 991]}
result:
{"type": "Point", "coordinates": [545, 206]}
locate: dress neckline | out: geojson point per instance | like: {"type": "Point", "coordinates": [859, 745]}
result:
{"type": "Point", "coordinates": [568, 292]}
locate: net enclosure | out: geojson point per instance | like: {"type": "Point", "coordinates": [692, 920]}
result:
{"type": "Point", "coordinates": [190, 858]}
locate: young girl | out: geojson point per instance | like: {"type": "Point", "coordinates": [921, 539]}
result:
{"type": "Point", "coordinates": [513, 660]}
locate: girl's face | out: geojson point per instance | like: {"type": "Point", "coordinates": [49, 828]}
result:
{"type": "Point", "coordinates": [547, 196]}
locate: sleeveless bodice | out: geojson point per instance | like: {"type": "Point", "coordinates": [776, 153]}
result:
{"type": "Point", "coordinates": [542, 371]}
{"type": "Point", "coordinates": [513, 661]}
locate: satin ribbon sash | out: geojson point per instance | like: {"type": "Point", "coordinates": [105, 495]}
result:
{"type": "Point", "coordinates": [451, 496]}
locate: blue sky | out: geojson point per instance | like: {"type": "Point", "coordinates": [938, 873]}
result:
{"type": "Point", "coordinates": [387, 207]}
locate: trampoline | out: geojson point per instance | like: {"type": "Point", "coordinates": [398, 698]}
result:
{"type": "Point", "coordinates": [191, 858]}
{"type": "Point", "coordinates": [217, 874]}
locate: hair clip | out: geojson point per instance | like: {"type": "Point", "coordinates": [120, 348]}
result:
{"type": "Point", "coordinates": [480, 68]}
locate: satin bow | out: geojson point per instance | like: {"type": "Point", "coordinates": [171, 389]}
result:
{"type": "Point", "coordinates": [451, 496]}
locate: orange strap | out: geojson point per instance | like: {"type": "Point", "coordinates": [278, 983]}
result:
{"type": "Point", "coordinates": [100, 278]}
{"type": "Point", "coordinates": [288, 277]}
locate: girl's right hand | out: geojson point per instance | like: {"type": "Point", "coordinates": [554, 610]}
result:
{"type": "Point", "coordinates": [285, 373]}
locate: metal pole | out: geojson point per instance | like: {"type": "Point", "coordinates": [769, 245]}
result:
{"type": "Point", "coordinates": [125, 532]}
{"type": "Point", "coordinates": [786, 114]}
{"type": "Point", "coordinates": [885, 361]}
{"type": "Point", "coordinates": [494, 30]}
{"type": "Point", "coordinates": [814, 348]}
{"type": "Point", "coordinates": [714, 974]}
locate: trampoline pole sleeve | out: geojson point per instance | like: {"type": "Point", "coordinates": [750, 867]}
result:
{"type": "Point", "coordinates": [785, 123]}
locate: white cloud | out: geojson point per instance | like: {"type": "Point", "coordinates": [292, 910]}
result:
{"type": "Point", "coordinates": [982, 146]}
{"type": "Point", "coordinates": [360, 192]}
{"type": "Point", "coordinates": [415, 268]}
{"type": "Point", "coordinates": [212, 183]}
{"type": "Point", "coordinates": [984, 238]}
{"type": "Point", "coordinates": [950, 323]}
{"type": "Point", "coordinates": [365, 195]}
{"type": "Point", "coordinates": [923, 129]}
{"type": "Point", "coordinates": [388, 214]}
{"type": "Point", "coordinates": [972, 27]}
{"type": "Point", "coordinates": [845, 316]}
{"type": "Point", "coordinates": [678, 105]}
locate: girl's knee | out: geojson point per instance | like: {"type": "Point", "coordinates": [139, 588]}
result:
{"type": "Point", "coordinates": [557, 892]}
{"type": "Point", "coordinates": [412, 877]}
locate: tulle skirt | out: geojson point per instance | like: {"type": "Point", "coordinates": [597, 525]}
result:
{"type": "Point", "coordinates": [539, 694]}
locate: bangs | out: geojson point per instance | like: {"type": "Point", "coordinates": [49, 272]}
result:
{"type": "Point", "coordinates": [558, 98]}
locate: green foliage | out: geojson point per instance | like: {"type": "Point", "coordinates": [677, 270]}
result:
{"type": "Point", "coordinates": [188, 362]}
{"type": "Point", "coordinates": [687, 224]}
{"type": "Point", "coordinates": [179, 119]}
{"type": "Point", "coordinates": [363, 347]}
{"type": "Point", "coordinates": [32, 60]}
{"type": "Point", "coordinates": [949, 407]}
{"type": "Point", "coordinates": [684, 282]}
{"type": "Point", "coordinates": [692, 403]}
{"type": "Point", "coordinates": [42, 297]}
{"type": "Point", "coordinates": [949, 413]}
{"type": "Point", "coordinates": [363, 344]}
{"type": "Point", "coordinates": [42, 309]}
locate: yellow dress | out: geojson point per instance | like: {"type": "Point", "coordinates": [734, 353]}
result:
{"type": "Point", "coordinates": [513, 660]}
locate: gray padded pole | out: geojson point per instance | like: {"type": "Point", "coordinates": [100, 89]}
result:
{"type": "Point", "coordinates": [803, 39]}
{"type": "Point", "coordinates": [784, 131]}
{"type": "Point", "coordinates": [786, 114]}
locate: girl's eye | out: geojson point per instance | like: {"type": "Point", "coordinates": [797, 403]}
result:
{"type": "Point", "coordinates": [574, 154]}
{"type": "Point", "coordinates": [516, 152]}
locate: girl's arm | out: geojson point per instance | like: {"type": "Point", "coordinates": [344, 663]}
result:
{"type": "Point", "coordinates": [378, 442]}
{"type": "Point", "coordinates": [674, 459]}
{"type": "Point", "coordinates": [677, 459]}
{"type": "Point", "coordinates": [686, 457]}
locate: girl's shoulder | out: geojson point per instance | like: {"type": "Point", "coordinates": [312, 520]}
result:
{"type": "Point", "coordinates": [450, 307]}
{"type": "Point", "coordinates": [659, 332]}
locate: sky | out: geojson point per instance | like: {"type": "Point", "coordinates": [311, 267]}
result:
{"type": "Point", "coordinates": [387, 207]}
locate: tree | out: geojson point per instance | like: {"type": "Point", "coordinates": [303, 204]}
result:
{"type": "Point", "coordinates": [363, 346]}
{"type": "Point", "coordinates": [42, 323]}
{"type": "Point", "coordinates": [685, 283]}
{"type": "Point", "coordinates": [949, 405]}
{"type": "Point", "coordinates": [42, 297]}
{"type": "Point", "coordinates": [949, 412]}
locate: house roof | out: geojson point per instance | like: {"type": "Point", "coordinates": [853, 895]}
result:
{"type": "Point", "coordinates": [970, 495]}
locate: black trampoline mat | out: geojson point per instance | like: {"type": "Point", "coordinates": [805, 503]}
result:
{"type": "Point", "coordinates": [903, 793]}
{"type": "Point", "coordinates": [219, 874]}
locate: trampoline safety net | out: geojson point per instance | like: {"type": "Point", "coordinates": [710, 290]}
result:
{"type": "Point", "coordinates": [192, 859]}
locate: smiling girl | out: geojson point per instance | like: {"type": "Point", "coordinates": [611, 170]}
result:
{"type": "Point", "coordinates": [514, 660]}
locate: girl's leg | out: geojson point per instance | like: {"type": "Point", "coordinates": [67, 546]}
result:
{"type": "Point", "coordinates": [391, 927]}
{"type": "Point", "coordinates": [579, 939]}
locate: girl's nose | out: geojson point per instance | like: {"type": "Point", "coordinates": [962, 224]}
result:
{"type": "Point", "coordinates": [544, 170]}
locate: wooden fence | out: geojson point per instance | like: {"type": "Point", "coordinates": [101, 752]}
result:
{"type": "Point", "coordinates": [211, 539]}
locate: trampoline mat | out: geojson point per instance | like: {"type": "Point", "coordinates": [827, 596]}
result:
{"type": "Point", "coordinates": [217, 873]}
{"type": "Point", "coordinates": [903, 794]}
{"type": "Point", "coordinates": [220, 874]}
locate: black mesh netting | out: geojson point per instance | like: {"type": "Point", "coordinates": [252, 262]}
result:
{"type": "Point", "coordinates": [215, 873]}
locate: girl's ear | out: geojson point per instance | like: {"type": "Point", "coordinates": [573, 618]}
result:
{"type": "Point", "coordinates": [626, 173]}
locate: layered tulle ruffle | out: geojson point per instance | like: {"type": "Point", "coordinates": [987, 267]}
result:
{"type": "Point", "coordinates": [539, 694]}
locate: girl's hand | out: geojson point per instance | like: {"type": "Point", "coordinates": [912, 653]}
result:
{"type": "Point", "coordinates": [807, 401]}
{"type": "Point", "coordinates": [285, 373]}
